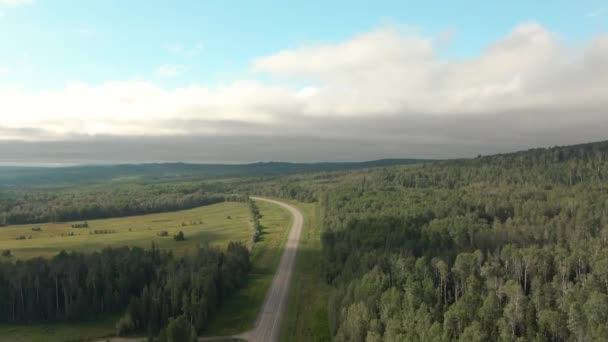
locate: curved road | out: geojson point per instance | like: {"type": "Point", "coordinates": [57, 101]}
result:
{"type": "Point", "coordinates": [268, 323]}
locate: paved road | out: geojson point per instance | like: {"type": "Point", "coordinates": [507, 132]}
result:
{"type": "Point", "coordinates": [269, 319]}
{"type": "Point", "coordinates": [268, 322]}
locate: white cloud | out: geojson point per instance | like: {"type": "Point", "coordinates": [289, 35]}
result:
{"type": "Point", "coordinates": [168, 70]}
{"type": "Point", "coordinates": [383, 85]}
{"type": "Point", "coordinates": [388, 72]}
{"type": "Point", "coordinates": [15, 3]}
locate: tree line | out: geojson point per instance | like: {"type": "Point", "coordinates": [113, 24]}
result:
{"type": "Point", "coordinates": [25, 206]}
{"type": "Point", "coordinates": [255, 217]}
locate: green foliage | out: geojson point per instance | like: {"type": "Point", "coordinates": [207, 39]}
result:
{"type": "Point", "coordinates": [255, 217]}
{"type": "Point", "coordinates": [506, 247]}
{"type": "Point", "coordinates": [24, 206]}
{"type": "Point", "coordinates": [125, 325]}
{"type": "Point", "coordinates": [178, 330]}
{"type": "Point", "coordinates": [155, 285]}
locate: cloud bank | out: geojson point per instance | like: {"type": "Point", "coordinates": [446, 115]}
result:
{"type": "Point", "coordinates": [388, 89]}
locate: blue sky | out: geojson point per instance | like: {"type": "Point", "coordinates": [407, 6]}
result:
{"type": "Point", "coordinates": [47, 43]}
{"type": "Point", "coordinates": [217, 81]}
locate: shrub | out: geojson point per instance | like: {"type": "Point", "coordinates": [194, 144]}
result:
{"type": "Point", "coordinates": [179, 236]}
{"type": "Point", "coordinates": [125, 325]}
{"type": "Point", "coordinates": [102, 231]}
{"type": "Point", "coordinates": [81, 225]}
{"type": "Point", "coordinates": [179, 329]}
{"type": "Point", "coordinates": [257, 236]}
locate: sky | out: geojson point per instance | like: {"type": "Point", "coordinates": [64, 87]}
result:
{"type": "Point", "coordinates": [242, 81]}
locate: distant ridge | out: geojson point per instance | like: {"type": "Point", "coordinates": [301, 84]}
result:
{"type": "Point", "coordinates": [150, 172]}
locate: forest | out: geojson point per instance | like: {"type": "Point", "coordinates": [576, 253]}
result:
{"type": "Point", "coordinates": [25, 205]}
{"type": "Point", "coordinates": [498, 248]}
{"type": "Point", "coordinates": [153, 285]}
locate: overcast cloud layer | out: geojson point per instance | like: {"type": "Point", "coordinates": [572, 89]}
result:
{"type": "Point", "coordinates": [385, 93]}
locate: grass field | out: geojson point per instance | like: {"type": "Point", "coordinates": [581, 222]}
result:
{"type": "Point", "coordinates": [237, 314]}
{"type": "Point", "coordinates": [306, 318]}
{"type": "Point", "coordinates": [204, 224]}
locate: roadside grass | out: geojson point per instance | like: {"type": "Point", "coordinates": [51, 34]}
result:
{"type": "Point", "coordinates": [208, 224]}
{"type": "Point", "coordinates": [239, 312]}
{"type": "Point", "coordinates": [306, 319]}
{"type": "Point", "coordinates": [52, 332]}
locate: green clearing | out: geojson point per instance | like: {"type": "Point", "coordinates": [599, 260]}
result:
{"type": "Point", "coordinates": [239, 313]}
{"type": "Point", "coordinates": [207, 224]}
{"type": "Point", "coordinates": [306, 319]}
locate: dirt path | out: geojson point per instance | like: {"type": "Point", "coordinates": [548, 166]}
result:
{"type": "Point", "coordinates": [268, 323]}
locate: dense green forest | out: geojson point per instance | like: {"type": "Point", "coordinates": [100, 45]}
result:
{"type": "Point", "coordinates": [500, 248]}
{"type": "Point", "coordinates": [155, 285]}
{"type": "Point", "coordinates": [190, 287]}
{"type": "Point", "coordinates": [22, 206]}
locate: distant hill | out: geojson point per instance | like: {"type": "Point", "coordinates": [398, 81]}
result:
{"type": "Point", "coordinates": [41, 176]}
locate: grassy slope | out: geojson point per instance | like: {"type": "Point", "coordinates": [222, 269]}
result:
{"type": "Point", "coordinates": [238, 314]}
{"type": "Point", "coordinates": [307, 318]}
{"type": "Point", "coordinates": [214, 227]}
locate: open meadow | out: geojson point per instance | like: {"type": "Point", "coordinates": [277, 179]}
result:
{"type": "Point", "coordinates": [216, 224]}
